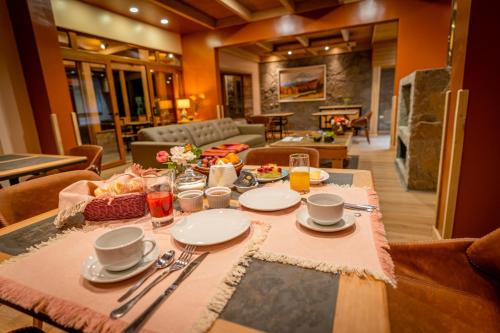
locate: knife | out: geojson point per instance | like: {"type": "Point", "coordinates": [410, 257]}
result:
{"type": "Point", "coordinates": [139, 321]}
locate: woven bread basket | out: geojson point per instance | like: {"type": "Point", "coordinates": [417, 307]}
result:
{"type": "Point", "coordinates": [122, 207]}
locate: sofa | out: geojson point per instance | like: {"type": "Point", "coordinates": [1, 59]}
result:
{"type": "Point", "coordinates": [204, 134]}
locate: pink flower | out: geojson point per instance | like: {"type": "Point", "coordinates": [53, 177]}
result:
{"type": "Point", "coordinates": [162, 156]}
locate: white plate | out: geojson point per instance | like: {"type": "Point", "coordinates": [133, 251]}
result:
{"type": "Point", "coordinates": [306, 221]}
{"type": "Point", "coordinates": [94, 272]}
{"type": "Point", "coordinates": [323, 176]}
{"type": "Point", "coordinates": [284, 173]}
{"type": "Point", "coordinates": [211, 226]}
{"type": "Point", "coordinates": [269, 199]}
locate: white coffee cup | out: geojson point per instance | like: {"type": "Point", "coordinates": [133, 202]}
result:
{"type": "Point", "coordinates": [325, 208]}
{"type": "Point", "coordinates": [122, 248]}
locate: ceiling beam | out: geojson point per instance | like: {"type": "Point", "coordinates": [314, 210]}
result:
{"type": "Point", "coordinates": [313, 48]}
{"type": "Point", "coordinates": [289, 5]}
{"type": "Point", "coordinates": [237, 8]}
{"type": "Point", "coordinates": [309, 5]}
{"type": "Point", "coordinates": [304, 41]}
{"type": "Point", "coordinates": [237, 52]}
{"type": "Point", "coordinates": [268, 47]}
{"type": "Point", "coordinates": [186, 11]}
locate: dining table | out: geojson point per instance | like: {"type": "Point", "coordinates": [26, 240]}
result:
{"type": "Point", "coordinates": [357, 302]}
{"type": "Point", "coordinates": [281, 116]}
{"type": "Point", "coordinates": [13, 166]}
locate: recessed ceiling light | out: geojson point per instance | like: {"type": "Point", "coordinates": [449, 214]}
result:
{"type": "Point", "coordinates": [170, 55]}
{"type": "Point", "coordinates": [290, 52]}
{"type": "Point", "coordinates": [327, 48]}
{"type": "Point", "coordinates": [103, 46]}
{"type": "Point", "coordinates": [164, 21]}
{"type": "Point", "coordinates": [133, 9]}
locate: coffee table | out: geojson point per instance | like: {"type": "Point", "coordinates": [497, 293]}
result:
{"type": "Point", "coordinates": [335, 151]}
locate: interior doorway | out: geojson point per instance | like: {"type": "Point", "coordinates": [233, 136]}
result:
{"type": "Point", "coordinates": [237, 95]}
{"type": "Point", "coordinates": [385, 100]}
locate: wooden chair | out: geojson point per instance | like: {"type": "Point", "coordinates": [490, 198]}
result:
{"type": "Point", "coordinates": [362, 123]}
{"type": "Point", "coordinates": [36, 196]}
{"type": "Point", "coordinates": [93, 153]}
{"type": "Point", "coordinates": [280, 155]}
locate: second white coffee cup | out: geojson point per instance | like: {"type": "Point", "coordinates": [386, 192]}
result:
{"type": "Point", "coordinates": [122, 248]}
{"type": "Point", "coordinates": [325, 208]}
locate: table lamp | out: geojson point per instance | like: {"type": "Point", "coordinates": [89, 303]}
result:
{"type": "Point", "coordinates": [183, 104]}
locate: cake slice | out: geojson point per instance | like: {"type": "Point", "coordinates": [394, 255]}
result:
{"type": "Point", "coordinates": [269, 171]}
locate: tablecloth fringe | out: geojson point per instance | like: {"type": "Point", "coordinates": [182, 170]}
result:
{"type": "Point", "coordinates": [228, 285]}
{"type": "Point", "coordinates": [61, 311]}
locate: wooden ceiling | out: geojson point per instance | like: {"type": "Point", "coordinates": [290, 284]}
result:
{"type": "Point", "coordinates": [187, 16]}
{"type": "Point", "coordinates": [324, 43]}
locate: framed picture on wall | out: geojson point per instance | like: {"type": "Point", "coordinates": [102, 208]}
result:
{"type": "Point", "coordinates": [302, 84]}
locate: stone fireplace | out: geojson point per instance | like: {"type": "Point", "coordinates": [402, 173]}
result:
{"type": "Point", "coordinates": [420, 126]}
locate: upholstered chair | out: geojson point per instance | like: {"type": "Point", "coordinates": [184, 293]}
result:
{"type": "Point", "coordinates": [280, 155]}
{"type": "Point", "coordinates": [446, 286]}
{"type": "Point", "coordinates": [93, 154]}
{"type": "Point", "coordinates": [36, 196]}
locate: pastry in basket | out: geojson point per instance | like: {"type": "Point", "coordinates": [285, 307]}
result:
{"type": "Point", "coordinates": [120, 197]}
{"type": "Point", "coordinates": [269, 171]}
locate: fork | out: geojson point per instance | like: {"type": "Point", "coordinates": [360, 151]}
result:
{"type": "Point", "coordinates": [180, 263]}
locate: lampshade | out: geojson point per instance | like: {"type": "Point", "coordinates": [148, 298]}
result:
{"type": "Point", "coordinates": [165, 104]}
{"type": "Point", "coordinates": [183, 103]}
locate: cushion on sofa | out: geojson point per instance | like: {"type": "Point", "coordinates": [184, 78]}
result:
{"type": "Point", "coordinates": [484, 253]}
{"type": "Point", "coordinates": [227, 127]}
{"type": "Point", "coordinates": [203, 132]}
{"type": "Point", "coordinates": [170, 133]}
{"type": "Point", "coordinates": [253, 140]}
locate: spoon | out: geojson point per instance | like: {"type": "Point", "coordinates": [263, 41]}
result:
{"type": "Point", "coordinates": [162, 262]}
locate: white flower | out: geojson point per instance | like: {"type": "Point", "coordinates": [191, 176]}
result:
{"type": "Point", "coordinates": [189, 156]}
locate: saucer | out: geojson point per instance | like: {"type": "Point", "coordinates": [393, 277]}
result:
{"type": "Point", "coordinates": [94, 272]}
{"type": "Point", "coordinates": [306, 221]}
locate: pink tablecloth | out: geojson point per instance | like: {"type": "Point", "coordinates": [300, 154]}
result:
{"type": "Point", "coordinates": [49, 280]}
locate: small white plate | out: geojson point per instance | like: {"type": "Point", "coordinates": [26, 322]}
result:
{"type": "Point", "coordinates": [211, 227]}
{"type": "Point", "coordinates": [306, 221]}
{"type": "Point", "coordinates": [284, 173]}
{"type": "Point", "coordinates": [94, 272]}
{"type": "Point", "coordinates": [323, 176]}
{"type": "Point", "coordinates": [268, 199]}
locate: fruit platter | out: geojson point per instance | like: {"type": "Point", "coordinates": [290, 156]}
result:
{"type": "Point", "coordinates": [270, 172]}
{"type": "Point", "coordinates": [203, 165]}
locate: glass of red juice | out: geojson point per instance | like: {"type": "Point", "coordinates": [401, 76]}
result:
{"type": "Point", "coordinates": [160, 196]}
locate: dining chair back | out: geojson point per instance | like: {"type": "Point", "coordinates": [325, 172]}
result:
{"type": "Point", "coordinates": [362, 123]}
{"type": "Point", "coordinates": [93, 153]}
{"type": "Point", "coordinates": [36, 196]}
{"type": "Point", "coordinates": [280, 155]}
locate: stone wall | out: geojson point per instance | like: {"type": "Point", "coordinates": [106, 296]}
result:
{"type": "Point", "coordinates": [347, 75]}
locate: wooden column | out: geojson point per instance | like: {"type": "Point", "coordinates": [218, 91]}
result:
{"type": "Point", "coordinates": [36, 38]}
{"type": "Point", "coordinates": [470, 167]}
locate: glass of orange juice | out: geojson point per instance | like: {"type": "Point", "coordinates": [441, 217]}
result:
{"type": "Point", "coordinates": [299, 173]}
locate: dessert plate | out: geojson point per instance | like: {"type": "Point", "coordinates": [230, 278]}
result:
{"type": "Point", "coordinates": [323, 176]}
{"type": "Point", "coordinates": [93, 271]}
{"type": "Point", "coordinates": [211, 227]}
{"type": "Point", "coordinates": [284, 173]}
{"type": "Point", "coordinates": [306, 221]}
{"type": "Point", "coordinates": [269, 199]}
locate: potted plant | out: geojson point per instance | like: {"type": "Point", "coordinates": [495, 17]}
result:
{"type": "Point", "coordinates": [329, 137]}
{"type": "Point", "coordinates": [317, 136]}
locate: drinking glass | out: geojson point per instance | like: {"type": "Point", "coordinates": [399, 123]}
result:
{"type": "Point", "coordinates": [299, 173]}
{"type": "Point", "coordinates": [159, 188]}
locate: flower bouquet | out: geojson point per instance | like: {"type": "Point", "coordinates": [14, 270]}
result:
{"type": "Point", "coordinates": [180, 157]}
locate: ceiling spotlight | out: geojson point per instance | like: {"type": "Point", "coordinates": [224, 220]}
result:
{"type": "Point", "coordinates": [164, 21]}
{"type": "Point", "coordinates": [290, 52]}
{"type": "Point", "coordinates": [170, 55]}
{"type": "Point", "coordinates": [327, 48]}
{"type": "Point", "coordinates": [133, 9]}
{"type": "Point", "coordinates": [103, 46]}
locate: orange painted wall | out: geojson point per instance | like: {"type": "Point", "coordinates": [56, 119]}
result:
{"type": "Point", "coordinates": [422, 39]}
